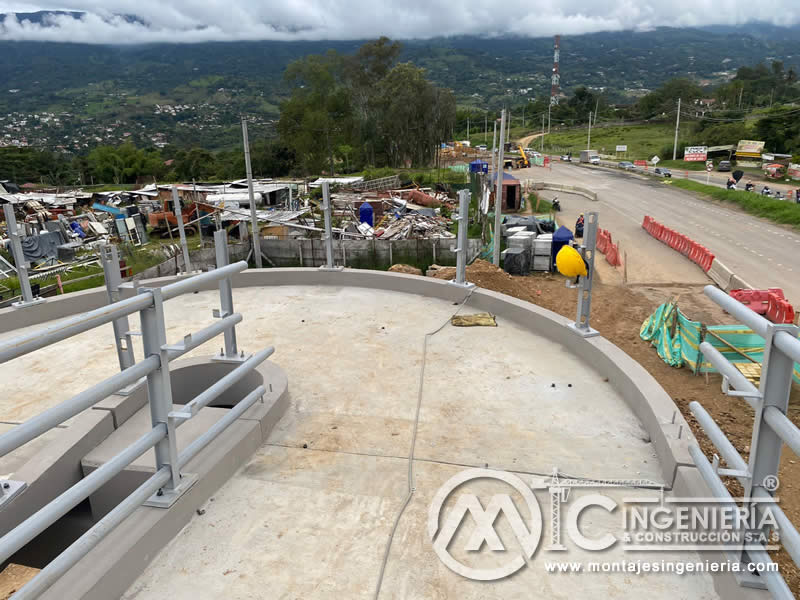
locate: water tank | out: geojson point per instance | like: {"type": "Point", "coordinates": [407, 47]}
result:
{"type": "Point", "coordinates": [365, 213]}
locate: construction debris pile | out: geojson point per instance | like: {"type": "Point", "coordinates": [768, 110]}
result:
{"type": "Point", "coordinates": [416, 225]}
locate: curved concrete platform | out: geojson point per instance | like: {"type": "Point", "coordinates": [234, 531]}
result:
{"type": "Point", "coordinates": [309, 514]}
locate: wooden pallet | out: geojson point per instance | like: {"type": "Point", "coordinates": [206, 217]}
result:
{"type": "Point", "coordinates": [752, 371]}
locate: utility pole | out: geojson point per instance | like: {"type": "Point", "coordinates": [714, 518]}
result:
{"type": "Point", "coordinates": [741, 91]}
{"type": "Point", "coordinates": [523, 116]}
{"type": "Point", "coordinates": [542, 136]}
{"type": "Point", "coordinates": [549, 106]}
{"type": "Point", "coordinates": [589, 139]}
{"type": "Point", "coordinates": [467, 126]}
{"type": "Point", "coordinates": [498, 197]}
{"type": "Point", "coordinates": [253, 216]}
{"type": "Point", "coordinates": [494, 146]}
{"type": "Point", "coordinates": [485, 126]}
{"type": "Point", "coordinates": [596, 106]}
{"type": "Point", "coordinates": [677, 125]}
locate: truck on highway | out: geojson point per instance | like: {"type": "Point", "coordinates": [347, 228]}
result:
{"type": "Point", "coordinates": [590, 156]}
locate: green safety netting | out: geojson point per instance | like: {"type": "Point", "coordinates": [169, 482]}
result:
{"type": "Point", "coordinates": [677, 340]}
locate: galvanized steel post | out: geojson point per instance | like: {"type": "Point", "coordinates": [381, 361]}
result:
{"type": "Point", "coordinates": [19, 260]}
{"type": "Point", "coordinates": [231, 352]}
{"type": "Point", "coordinates": [775, 386]}
{"type": "Point", "coordinates": [582, 325]}
{"type": "Point", "coordinates": [109, 256]}
{"type": "Point", "coordinates": [159, 393]}
{"type": "Point", "coordinates": [327, 209]}
{"type": "Point", "coordinates": [461, 249]}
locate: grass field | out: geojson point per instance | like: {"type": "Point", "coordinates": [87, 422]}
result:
{"type": "Point", "coordinates": [783, 212]}
{"type": "Point", "coordinates": [643, 141]}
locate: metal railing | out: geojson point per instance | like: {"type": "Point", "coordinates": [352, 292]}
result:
{"type": "Point", "coordinates": [771, 430]}
{"type": "Point", "coordinates": [166, 485]}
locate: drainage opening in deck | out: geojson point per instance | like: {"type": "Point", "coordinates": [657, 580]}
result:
{"type": "Point", "coordinates": [190, 380]}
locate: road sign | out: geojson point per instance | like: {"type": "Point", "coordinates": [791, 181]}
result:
{"type": "Point", "coordinates": [622, 147]}
{"type": "Point", "coordinates": [655, 160]}
{"type": "Point", "coordinates": [695, 153]}
{"type": "Point", "coordinates": [709, 165]}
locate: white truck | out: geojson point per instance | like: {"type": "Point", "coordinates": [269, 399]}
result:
{"type": "Point", "coordinates": [590, 156]}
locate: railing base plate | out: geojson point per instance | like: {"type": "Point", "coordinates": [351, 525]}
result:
{"type": "Point", "coordinates": [583, 332]}
{"type": "Point", "coordinates": [466, 285]}
{"type": "Point", "coordinates": [169, 497]}
{"type": "Point", "coordinates": [230, 359]}
{"type": "Point", "coordinates": [14, 489]}
{"type": "Point", "coordinates": [23, 304]}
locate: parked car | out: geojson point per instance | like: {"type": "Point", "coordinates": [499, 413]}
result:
{"type": "Point", "coordinates": [627, 165]}
{"type": "Point", "coordinates": [664, 172]}
{"type": "Point", "coordinates": [724, 165]}
{"type": "Point", "coordinates": [566, 158]}
{"type": "Point", "coordinates": [482, 147]}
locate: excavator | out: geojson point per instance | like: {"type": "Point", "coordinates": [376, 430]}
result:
{"type": "Point", "coordinates": [522, 162]}
{"type": "Point", "coordinates": [164, 221]}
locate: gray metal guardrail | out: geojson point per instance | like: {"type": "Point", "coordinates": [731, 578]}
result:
{"type": "Point", "coordinates": [168, 483]}
{"type": "Point", "coordinates": [771, 430]}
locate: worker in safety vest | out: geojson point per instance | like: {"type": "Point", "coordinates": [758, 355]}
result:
{"type": "Point", "coordinates": [579, 226]}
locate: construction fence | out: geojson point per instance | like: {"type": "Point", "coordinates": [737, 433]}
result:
{"type": "Point", "coordinates": [677, 340]}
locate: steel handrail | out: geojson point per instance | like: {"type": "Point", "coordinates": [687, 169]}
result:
{"type": "Point", "coordinates": [70, 557]}
{"type": "Point", "coordinates": [772, 579]}
{"type": "Point", "coordinates": [26, 531]}
{"type": "Point", "coordinates": [71, 326]}
{"type": "Point", "coordinates": [55, 416]}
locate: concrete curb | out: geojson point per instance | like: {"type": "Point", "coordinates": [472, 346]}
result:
{"type": "Point", "coordinates": [570, 189]}
{"type": "Point", "coordinates": [667, 429]}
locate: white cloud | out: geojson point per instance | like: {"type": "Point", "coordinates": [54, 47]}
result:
{"type": "Point", "coordinates": [188, 21]}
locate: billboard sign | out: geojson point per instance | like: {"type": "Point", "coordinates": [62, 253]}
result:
{"type": "Point", "coordinates": [622, 147]}
{"type": "Point", "coordinates": [749, 149]}
{"type": "Point", "coordinates": [695, 153]}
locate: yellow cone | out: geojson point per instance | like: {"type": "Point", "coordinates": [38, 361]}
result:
{"type": "Point", "coordinates": [570, 263]}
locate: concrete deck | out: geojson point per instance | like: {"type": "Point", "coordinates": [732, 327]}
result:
{"type": "Point", "coordinates": [313, 522]}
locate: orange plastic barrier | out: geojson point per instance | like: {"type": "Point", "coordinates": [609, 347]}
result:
{"type": "Point", "coordinates": [698, 254]}
{"type": "Point", "coordinates": [612, 255]}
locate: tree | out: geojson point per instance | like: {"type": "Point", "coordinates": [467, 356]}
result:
{"type": "Point", "coordinates": [780, 129]}
{"type": "Point", "coordinates": [363, 109]}
{"type": "Point", "coordinates": [665, 99]}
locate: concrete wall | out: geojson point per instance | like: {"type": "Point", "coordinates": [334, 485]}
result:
{"type": "Point", "coordinates": [364, 254]}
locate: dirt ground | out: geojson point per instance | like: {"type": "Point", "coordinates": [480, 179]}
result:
{"type": "Point", "coordinates": [618, 312]}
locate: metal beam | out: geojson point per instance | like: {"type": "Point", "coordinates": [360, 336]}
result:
{"type": "Point", "coordinates": [731, 373]}
{"type": "Point", "coordinates": [176, 207]}
{"type": "Point", "coordinates": [498, 197]}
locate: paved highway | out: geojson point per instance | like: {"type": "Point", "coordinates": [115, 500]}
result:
{"type": "Point", "coordinates": [763, 254]}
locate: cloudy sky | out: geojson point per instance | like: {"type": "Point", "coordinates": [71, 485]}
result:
{"type": "Point", "coordinates": [204, 20]}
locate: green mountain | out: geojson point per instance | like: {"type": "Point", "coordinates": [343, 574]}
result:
{"type": "Point", "coordinates": [78, 96]}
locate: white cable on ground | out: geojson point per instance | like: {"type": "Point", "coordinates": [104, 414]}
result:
{"type": "Point", "coordinates": [411, 488]}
